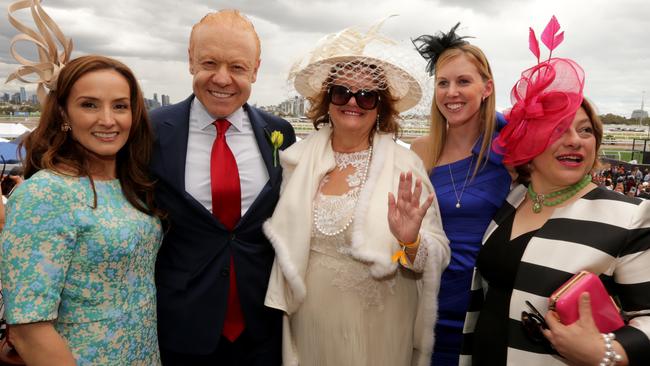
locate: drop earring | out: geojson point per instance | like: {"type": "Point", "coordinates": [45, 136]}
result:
{"type": "Point", "coordinates": [65, 127]}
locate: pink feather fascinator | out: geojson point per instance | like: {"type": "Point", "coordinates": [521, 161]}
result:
{"type": "Point", "coordinates": [544, 101]}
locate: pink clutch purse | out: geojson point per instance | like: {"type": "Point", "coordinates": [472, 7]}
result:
{"type": "Point", "coordinates": [565, 300]}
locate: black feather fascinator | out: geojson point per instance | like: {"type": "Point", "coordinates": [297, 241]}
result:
{"type": "Point", "coordinates": [431, 47]}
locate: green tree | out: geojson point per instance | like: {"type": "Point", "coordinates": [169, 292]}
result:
{"type": "Point", "coordinates": [616, 119]}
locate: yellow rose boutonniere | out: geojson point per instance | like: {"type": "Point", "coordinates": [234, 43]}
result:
{"type": "Point", "coordinates": [277, 138]}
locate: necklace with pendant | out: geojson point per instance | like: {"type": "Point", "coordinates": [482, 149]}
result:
{"type": "Point", "coordinates": [453, 184]}
{"type": "Point", "coordinates": [557, 197]}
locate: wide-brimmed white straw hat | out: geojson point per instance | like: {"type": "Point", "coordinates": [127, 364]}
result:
{"type": "Point", "coordinates": [338, 57]}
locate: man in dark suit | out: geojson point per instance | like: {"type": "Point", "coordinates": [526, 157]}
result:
{"type": "Point", "coordinates": [219, 181]}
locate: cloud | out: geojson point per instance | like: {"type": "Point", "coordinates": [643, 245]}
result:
{"type": "Point", "coordinates": [609, 39]}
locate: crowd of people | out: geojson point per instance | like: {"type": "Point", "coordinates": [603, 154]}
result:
{"type": "Point", "coordinates": [634, 182]}
{"type": "Point", "coordinates": [202, 233]}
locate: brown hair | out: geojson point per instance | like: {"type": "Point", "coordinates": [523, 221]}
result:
{"type": "Point", "coordinates": [48, 147]}
{"type": "Point", "coordinates": [523, 170]}
{"type": "Point", "coordinates": [388, 116]}
{"type": "Point", "coordinates": [438, 129]}
{"type": "Point", "coordinates": [229, 17]}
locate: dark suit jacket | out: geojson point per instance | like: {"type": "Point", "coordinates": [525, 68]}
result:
{"type": "Point", "coordinates": [193, 263]}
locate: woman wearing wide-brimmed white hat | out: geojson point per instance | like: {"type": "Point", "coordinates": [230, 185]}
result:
{"type": "Point", "coordinates": [357, 268]}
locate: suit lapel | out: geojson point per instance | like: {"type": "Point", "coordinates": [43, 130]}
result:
{"type": "Point", "coordinates": [263, 138]}
{"type": "Point", "coordinates": [173, 133]}
{"type": "Point", "coordinates": [172, 138]}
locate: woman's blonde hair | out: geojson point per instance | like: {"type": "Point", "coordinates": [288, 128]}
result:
{"type": "Point", "coordinates": [438, 129]}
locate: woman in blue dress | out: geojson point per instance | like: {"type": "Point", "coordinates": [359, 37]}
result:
{"type": "Point", "coordinates": [81, 237]}
{"type": "Point", "coordinates": [469, 179]}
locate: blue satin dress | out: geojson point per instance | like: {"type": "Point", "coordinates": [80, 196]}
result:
{"type": "Point", "coordinates": [464, 226]}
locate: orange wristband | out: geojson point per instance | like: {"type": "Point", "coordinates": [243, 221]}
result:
{"type": "Point", "coordinates": [410, 245]}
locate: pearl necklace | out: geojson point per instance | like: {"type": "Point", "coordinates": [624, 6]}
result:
{"type": "Point", "coordinates": [453, 184]}
{"type": "Point", "coordinates": [317, 213]}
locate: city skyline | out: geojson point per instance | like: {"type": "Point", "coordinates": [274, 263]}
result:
{"type": "Point", "coordinates": [609, 39]}
{"type": "Point", "coordinates": [24, 96]}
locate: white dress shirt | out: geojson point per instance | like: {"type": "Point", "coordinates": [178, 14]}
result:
{"type": "Point", "coordinates": [253, 175]}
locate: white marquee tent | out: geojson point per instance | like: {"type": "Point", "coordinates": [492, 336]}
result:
{"type": "Point", "coordinates": [12, 130]}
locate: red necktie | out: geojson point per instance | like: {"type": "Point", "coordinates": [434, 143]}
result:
{"type": "Point", "coordinates": [226, 207]}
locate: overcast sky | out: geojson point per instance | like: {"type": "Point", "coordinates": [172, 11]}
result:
{"type": "Point", "coordinates": [609, 39]}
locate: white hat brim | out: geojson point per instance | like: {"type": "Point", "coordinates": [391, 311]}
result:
{"type": "Point", "coordinates": [403, 86]}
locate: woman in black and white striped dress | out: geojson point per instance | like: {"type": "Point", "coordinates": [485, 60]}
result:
{"type": "Point", "coordinates": [555, 224]}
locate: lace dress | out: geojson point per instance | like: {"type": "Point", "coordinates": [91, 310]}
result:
{"type": "Point", "coordinates": [348, 317]}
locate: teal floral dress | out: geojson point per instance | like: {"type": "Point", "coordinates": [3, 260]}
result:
{"type": "Point", "coordinates": [89, 271]}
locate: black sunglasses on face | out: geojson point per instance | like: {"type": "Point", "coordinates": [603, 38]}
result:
{"type": "Point", "coordinates": [366, 99]}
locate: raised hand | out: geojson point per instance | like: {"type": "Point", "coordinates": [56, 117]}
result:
{"type": "Point", "coordinates": [405, 213]}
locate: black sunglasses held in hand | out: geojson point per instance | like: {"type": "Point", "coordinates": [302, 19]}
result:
{"type": "Point", "coordinates": [366, 99]}
{"type": "Point", "coordinates": [533, 324]}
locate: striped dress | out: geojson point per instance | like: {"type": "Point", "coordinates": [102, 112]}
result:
{"type": "Point", "coordinates": [603, 232]}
